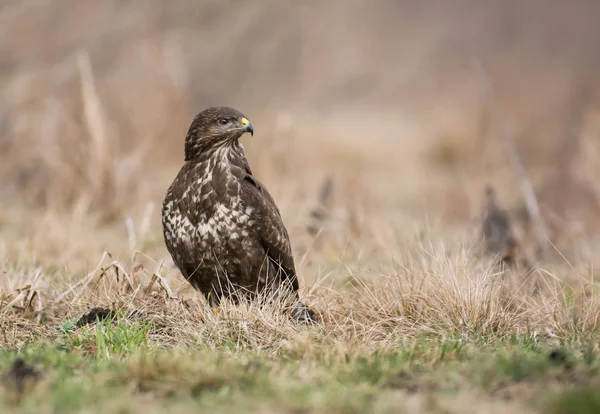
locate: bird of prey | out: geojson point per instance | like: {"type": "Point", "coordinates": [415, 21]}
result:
{"type": "Point", "coordinates": [220, 224]}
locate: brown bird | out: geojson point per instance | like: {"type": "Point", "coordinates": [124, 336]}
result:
{"type": "Point", "coordinates": [496, 230]}
{"type": "Point", "coordinates": [220, 224]}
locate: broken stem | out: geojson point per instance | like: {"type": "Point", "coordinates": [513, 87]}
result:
{"type": "Point", "coordinates": [513, 155]}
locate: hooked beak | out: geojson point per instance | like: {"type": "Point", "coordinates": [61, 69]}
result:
{"type": "Point", "coordinates": [247, 126]}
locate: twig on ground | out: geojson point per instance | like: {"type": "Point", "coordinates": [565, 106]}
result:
{"type": "Point", "coordinates": [83, 282]}
{"type": "Point", "coordinates": [513, 155]}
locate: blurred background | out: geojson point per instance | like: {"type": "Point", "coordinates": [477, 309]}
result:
{"type": "Point", "coordinates": [379, 106]}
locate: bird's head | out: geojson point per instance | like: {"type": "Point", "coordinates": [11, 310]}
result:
{"type": "Point", "coordinates": [215, 128]}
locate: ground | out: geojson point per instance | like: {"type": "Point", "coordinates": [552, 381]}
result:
{"type": "Point", "coordinates": [376, 134]}
{"type": "Point", "coordinates": [114, 367]}
{"type": "Point", "coordinates": [425, 338]}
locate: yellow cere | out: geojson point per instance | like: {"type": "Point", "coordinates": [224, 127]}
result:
{"type": "Point", "coordinates": [245, 121]}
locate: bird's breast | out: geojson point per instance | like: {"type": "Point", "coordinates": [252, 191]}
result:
{"type": "Point", "coordinates": [230, 221]}
{"type": "Point", "coordinates": [204, 208]}
{"type": "Point", "coordinates": [213, 224]}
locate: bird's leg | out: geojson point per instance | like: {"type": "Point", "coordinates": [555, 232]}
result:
{"type": "Point", "coordinates": [214, 297]}
{"type": "Point", "coordinates": [301, 313]}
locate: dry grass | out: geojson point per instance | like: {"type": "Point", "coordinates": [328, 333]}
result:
{"type": "Point", "coordinates": [426, 291]}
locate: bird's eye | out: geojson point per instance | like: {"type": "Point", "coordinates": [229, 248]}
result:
{"type": "Point", "coordinates": [223, 121]}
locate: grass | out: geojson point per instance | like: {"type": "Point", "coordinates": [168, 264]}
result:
{"type": "Point", "coordinates": [111, 367]}
{"type": "Point", "coordinates": [441, 337]}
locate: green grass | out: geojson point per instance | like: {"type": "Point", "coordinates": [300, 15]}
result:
{"type": "Point", "coordinates": [584, 401]}
{"type": "Point", "coordinates": [112, 366]}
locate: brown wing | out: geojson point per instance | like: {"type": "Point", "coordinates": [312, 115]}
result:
{"type": "Point", "coordinates": [273, 234]}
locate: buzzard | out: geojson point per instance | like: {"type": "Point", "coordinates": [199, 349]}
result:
{"type": "Point", "coordinates": [220, 224]}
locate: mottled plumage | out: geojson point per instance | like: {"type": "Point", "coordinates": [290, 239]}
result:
{"type": "Point", "coordinates": [220, 224]}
